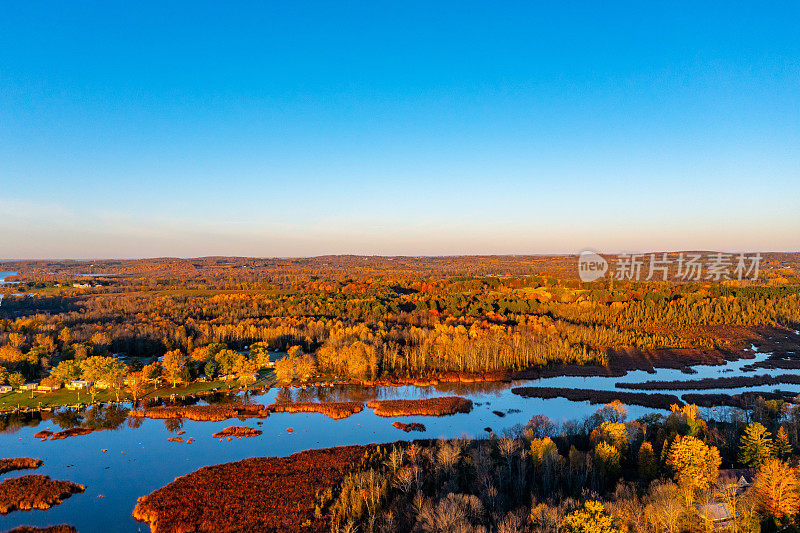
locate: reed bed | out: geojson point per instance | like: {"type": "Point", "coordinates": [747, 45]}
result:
{"type": "Point", "coordinates": [19, 463]}
{"type": "Point", "coordinates": [645, 399]}
{"type": "Point", "coordinates": [335, 410]}
{"type": "Point", "coordinates": [412, 426]}
{"type": "Point", "coordinates": [203, 413]}
{"type": "Point", "coordinates": [733, 382]}
{"type": "Point", "coordinates": [441, 406]}
{"type": "Point", "coordinates": [71, 432]}
{"type": "Point", "coordinates": [267, 494]}
{"type": "Point", "coordinates": [34, 492]}
{"type": "Point", "coordinates": [61, 528]}
{"type": "Point", "coordinates": [237, 431]}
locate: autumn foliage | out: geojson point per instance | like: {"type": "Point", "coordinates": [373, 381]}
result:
{"type": "Point", "coordinates": [694, 464]}
{"type": "Point", "coordinates": [777, 489]}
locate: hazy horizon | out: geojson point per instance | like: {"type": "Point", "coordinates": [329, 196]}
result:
{"type": "Point", "coordinates": [274, 130]}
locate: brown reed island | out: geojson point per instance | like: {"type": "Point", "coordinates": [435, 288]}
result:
{"type": "Point", "coordinates": [654, 400]}
{"type": "Point", "coordinates": [237, 431]}
{"type": "Point", "coordinates": [335, 410]}
{"type": "Point", "coordinates": [266, 494]}
{"type": "Point", "coordinates": [19, 463]}
{"type": "Point", "coordinates": [440, 406]}
{"type": "Point", "coordinates": [71, 432]}
{"type": "Point", "coordinates": [61, 528]}
{"type": "Point", "coordinates": [733, 382]}
{"type": "Point", "coordinates": [203, 413]}
{"type": "Point", "coordinates": [411, 426]}
{"type": "Point", "coordinates": [34, 491]}
{"type": "Point", "coordinates": [64, 434]}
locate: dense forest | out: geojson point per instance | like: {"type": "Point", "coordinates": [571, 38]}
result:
{"type": "Point", "coordinates": [604, 473]}
{"type": "Point", "coordinates": [348, 317]}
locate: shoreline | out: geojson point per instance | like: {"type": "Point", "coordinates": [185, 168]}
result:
{"type": "Point", "coordinates": [779, 342]}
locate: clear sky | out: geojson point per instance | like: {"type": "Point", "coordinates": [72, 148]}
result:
{"type": "Point", "coordinates": [132, 129]}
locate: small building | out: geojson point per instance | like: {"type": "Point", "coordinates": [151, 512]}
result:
{"type": "Point", "coordinates": [78, 384]}
{"type": "Point", "coordinates": [5, 389]}
{"type": "Point", "coordinates": [743, 477]}
{"type": "Point", "coordinates": [718, 514]}
{"type": "Point", "coordinates": [48, 386]}
{"type": "Point", "coordinates": [100, 384]}
{"type": "Point", "coordinates": [29, 386]}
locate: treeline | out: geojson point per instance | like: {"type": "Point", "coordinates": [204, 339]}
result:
{"type": "Point", "coordinates": [366, 328]}
{"type": "Point", "coordinates": [601, 474]}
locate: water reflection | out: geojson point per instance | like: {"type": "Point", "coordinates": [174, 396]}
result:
{"type": "Point", "coordinates": [126, 457]}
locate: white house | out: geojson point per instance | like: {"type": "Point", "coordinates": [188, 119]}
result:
{"type": "Point", "coordinates": [29, 386]}
{"type": "Point", "coordinates": [78, 384]}
{"type": "Point", "coordinates": [4, 389]}
{"type": "Point", "coordinates": [48, 387]}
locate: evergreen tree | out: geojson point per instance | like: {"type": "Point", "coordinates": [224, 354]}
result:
{"type": "Point", "coordinates": [782, 447]}
{"type": "Point", "coordinates": [755, 446]}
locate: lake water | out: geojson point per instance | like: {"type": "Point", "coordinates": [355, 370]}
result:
{"type": "Point", "coordinates": [139, 459]}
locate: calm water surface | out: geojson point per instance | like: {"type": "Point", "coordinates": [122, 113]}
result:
{"type": "Point", "coordinates": [139, 459]}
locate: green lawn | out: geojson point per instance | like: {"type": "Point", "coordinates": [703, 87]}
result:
{"type": "Point", "coordinates": [13, 400]}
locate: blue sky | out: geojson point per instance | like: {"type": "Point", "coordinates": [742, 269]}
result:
{"type": "Point", "coordinates": [296, 128]}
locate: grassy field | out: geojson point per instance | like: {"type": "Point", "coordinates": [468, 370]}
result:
{"type": "Point", "coordinates": [36, 400]}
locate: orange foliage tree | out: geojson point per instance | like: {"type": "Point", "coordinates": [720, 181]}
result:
{"type": "Point", "coordinates": [694, 464]}
{"type": "Point", "coordinates": [777, 490]}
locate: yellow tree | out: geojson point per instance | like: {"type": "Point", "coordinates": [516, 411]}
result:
{"type": "Point", "coordinates": [173, 362]}
{"type": "Point", "coordinates": [648, 468]}
{"type": "Point", "coordinates": [16, 339]}
{"type": "Point", "coordinates": [65, 337]}
{"type": "Point", "coordinates": [10, 354]}
{"type": "Point", "coordinates": [284, 370]}
{"type": "Point", "coordinates": [540, 448]}
{"type": "Point", "coordinates": [591, 519]}
{"type": "Point", "coordinates": [607, 460]}
{"type": "Point", "coordinates": [136, 384]}
{"type": "Point", "coordinates": [245, 370]}
{"type": "Point", "coordinates": [615, 433]}
{"type": "Point", "coordinates": [776, 488]}
{"type": "Point", "coordinates": [694, 464]}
